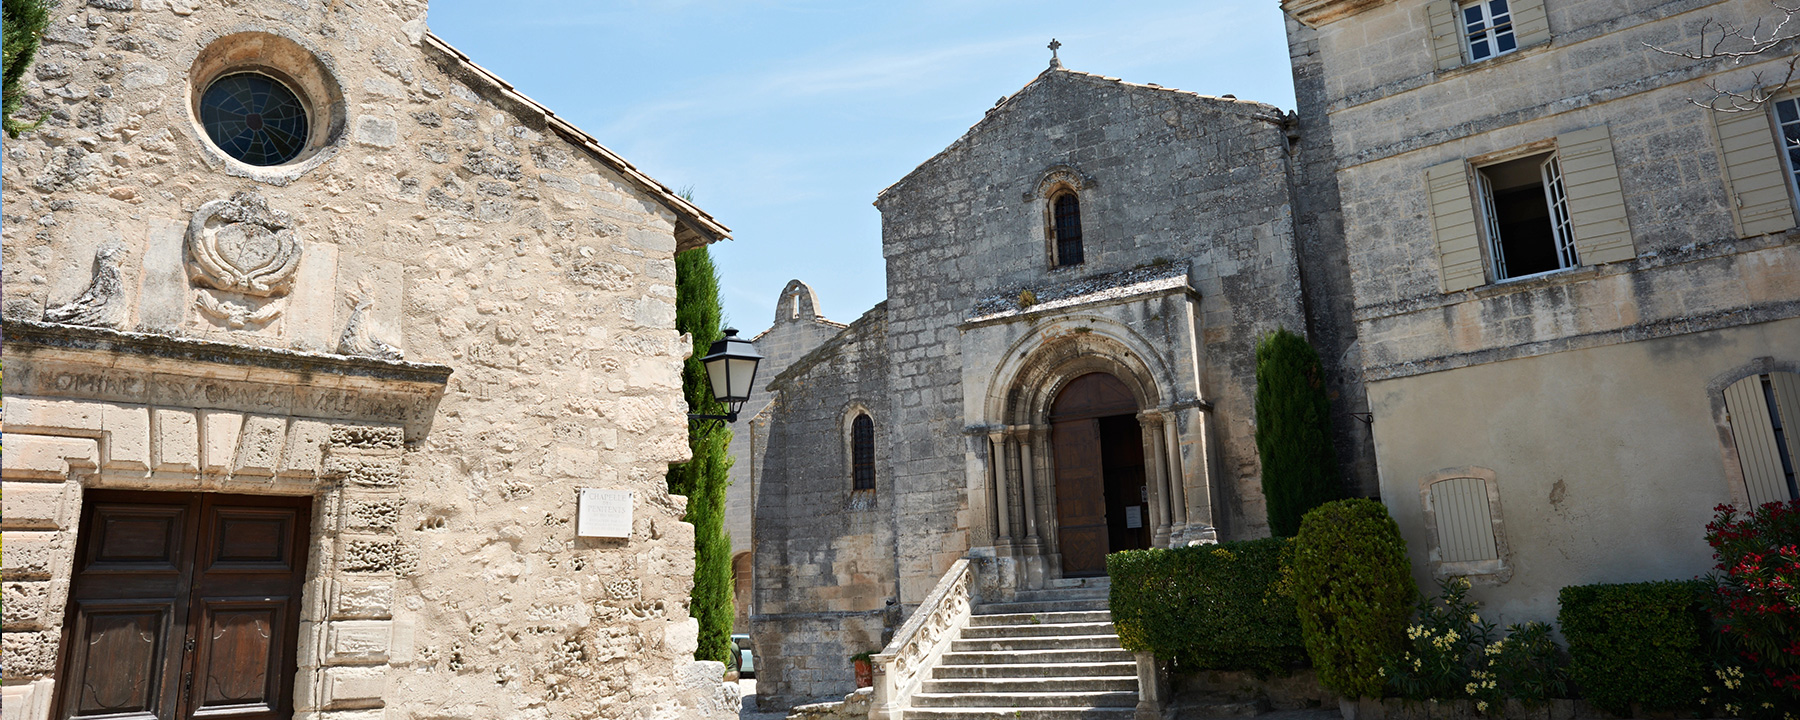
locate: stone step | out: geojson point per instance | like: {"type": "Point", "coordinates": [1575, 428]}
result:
{"type": "Point", "coordinates": [979, 632]}
{"type": "Point", "coordinates": [1037, 657]}
{"type": "Point", "coordinates": [1026, 699]}
{"type": "Point", "coordinates": [1023, 713]}
{"type": "Point", "coordinates": [1060, 642]}
{"type": "Point", "coordinates": [1223, 709]}
{"type": "Point", "coordinates": [1032, 685]}
{"type": "Point", "coordinates": [1046, 670]}
{"type": "Point", "coordinates": [1087, 593]}
{"type": "Point", "coordinates": [1040, 618]}
{"type": "Point", "coordinates": [1009, 608]}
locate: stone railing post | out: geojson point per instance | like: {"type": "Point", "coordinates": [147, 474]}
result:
{"type": "Point", "coordinates": [902, 666]}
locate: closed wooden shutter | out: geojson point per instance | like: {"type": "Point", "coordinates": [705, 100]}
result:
{"type": "Point", "coordinates": [1453, 222]}
{"type": "Point", "coordinates": [1465, 524]}
{"type": "Point", "coordinates": [1446, 33]}
{"type": "Point", "coordinates": [1748, 410]}
{"type": "Point", "coordinates": [1596, 201]}
{"type": "Point", "coordinates": [1753, 171]}
{"type": "Point", "coordinates": [1530, 23]}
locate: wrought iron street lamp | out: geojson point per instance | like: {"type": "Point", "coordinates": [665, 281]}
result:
{"type": "Point", "coordinates": [730, 369]}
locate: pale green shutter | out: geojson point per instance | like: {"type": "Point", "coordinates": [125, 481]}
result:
{"type": "Point", "coordinates": [1453, 222]}
{"type": "Point", "coordinates": [1764, 480]}
{"type": "Point", "coordinates": [1531, 25]}
{"type": "Point", "coordinates": [1446, 33]}
{"type": "Point", "coordinates": [1465, 524]}
{"type": "Point", "coordinates": [1753, 171]}
{"type": "Point", "coordinates": [1596, 202]}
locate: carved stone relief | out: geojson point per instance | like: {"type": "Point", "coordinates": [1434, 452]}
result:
{"type": "Point", "coordinates": [357, 339]}
{"type": "Point", "coordinates": [101, 304]}
{"type": "Point", "coordinates": [242, 257]}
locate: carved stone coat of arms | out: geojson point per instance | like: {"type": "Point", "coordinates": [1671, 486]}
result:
{"type": "Point", "coordinates": [247, 251]}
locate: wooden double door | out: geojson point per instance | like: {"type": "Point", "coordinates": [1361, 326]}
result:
{"type": "Point", "coordinates": [184, 605]}
{"type": "Point", "coordinates": [1101, 499]}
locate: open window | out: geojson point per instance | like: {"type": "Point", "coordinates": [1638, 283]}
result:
{"type": "Point", "coordinates": [1526, 212]}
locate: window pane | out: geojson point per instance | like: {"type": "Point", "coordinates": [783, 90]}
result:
{"type": "Point", "coordinates": [1788, 110]}
{"type": "Point", "coordinates": [1498, 7]}
{"type": "Point", "coordinates": [1505, 41]}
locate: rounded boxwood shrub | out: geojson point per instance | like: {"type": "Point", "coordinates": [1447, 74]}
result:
{"type": "Point", "coordinates": [1207, 607]}
{"type": "Point", "coordinates": [1353, 589]}
{"type": "Point", "coordinates": [1637, 642]}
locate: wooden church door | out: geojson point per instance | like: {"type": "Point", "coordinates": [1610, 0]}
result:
{"type": "Point", "coordinates": [184, 605]}
{"type": "Point", "coordinates": [1082, 527]}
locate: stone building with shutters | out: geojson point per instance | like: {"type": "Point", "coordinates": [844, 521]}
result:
{"type": "Point", "coordinates": [315, 334]}
{"type": "Point", "coordinates": [1576, 288]}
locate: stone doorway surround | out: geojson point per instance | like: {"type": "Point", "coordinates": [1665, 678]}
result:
{"type": "Point", "coordinates": [89, 408]}
{"type": "Point", "coordinates": [1143, 331]}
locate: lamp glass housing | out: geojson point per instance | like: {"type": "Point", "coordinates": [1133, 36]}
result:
{"type": "Point", "coordinates": [731, 368]}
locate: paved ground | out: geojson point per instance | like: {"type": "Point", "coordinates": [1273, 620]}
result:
{"type": "Point", "coordinates": [750, 712]}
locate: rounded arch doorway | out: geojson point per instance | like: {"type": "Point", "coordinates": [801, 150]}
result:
{"type": "Point", "coordinates": [1098, 448]}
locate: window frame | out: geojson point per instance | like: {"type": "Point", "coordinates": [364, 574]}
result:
{"type": "Point", "coordinates": [1054, 229]}
{"type": "Point", "coordinates": [862, 452]}
{"type": "Point", "coordinates": [1495, 571]}
{"type": "Point", "coordinates": [1488, 25]}
{"type": "Point", "coordinates": [1782, 150]}
{"type": "Point", "coordinates": [1556, 202]}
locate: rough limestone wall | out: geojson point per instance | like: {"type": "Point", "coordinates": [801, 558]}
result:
{"type": "Point", "coordinates": [1176, 176]}
{"type": "Point", "coordinates": [482, 241]}
{"type": "Point", "coordinates": [824, 552]}
{"type": "Point", "coordinates": [798, 328]}
{"type": "Point", "coordinates": [1325, 265]}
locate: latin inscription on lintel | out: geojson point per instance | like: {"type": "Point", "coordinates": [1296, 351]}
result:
{"type": "Point", "coordinates": [604, 513]}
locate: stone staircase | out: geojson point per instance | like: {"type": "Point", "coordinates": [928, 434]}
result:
{"type": "Point", "coordinates": [1050, 655]}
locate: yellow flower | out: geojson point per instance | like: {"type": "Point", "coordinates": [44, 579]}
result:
{"type": "Point", "coordinates": [1470, 688]}
{"type": "Point", "coordinates": [1474, 619]}
{"type": "Point", "coordinates": [1481, 706]}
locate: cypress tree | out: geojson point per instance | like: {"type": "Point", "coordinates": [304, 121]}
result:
{"type": "Point", "coordinates": [703, 479]}
{"type": "Point", "coordinates": [1293, 431]}
{"type": "Point", "coordinates": [25, 21]}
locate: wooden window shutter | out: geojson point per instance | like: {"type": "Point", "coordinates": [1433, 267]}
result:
{"type": "Point", "coordinates": [1748, 410]}
{"type": "Point", "coordinates": [1453, 222]}
{"type": "Point", "coordinates": [1787, 399]}
{"type": "Point", "coordinates": [1753, 172]}
{"type": "Point", "coordinates": [1530, 23]}
{"type": "Point", "coordinates": [1446, 33]}
{"type": "Point", "coordinates": [1596, 201]}
{"type": "Point", "coordinates": [1465, 524]}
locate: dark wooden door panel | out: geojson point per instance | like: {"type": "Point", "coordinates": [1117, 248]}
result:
{"type": "Point", "coordinates": [239, 657]}
{"type": "Point", "coordinates": [118, 651]}
{"type": "Point", "coordinates": [185, 605]}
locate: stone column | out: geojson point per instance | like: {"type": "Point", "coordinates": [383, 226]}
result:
{"type": "Point", "coordinates": [1150, 422]}
{"type": "Point", "coordinates": [1028, 478]}
{"type": "Point", "coordinates": [997, 472]}
{"type": "Point", "coordinates": [1177, 479]}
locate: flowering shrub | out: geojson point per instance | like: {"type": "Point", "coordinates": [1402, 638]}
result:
{"type": "Point", "coordinates": [1756, 608]}
{"type": "Point", "coordinates": [1452, 655]}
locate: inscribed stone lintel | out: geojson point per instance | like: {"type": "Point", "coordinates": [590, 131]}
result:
{"type": "Point", "coordinates": [604, 513]}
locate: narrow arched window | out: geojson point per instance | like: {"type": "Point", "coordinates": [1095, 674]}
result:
{"type": "Point", "coordinates": [1067, 211]}
{"type": "Point", "coordinates": [862, 453]}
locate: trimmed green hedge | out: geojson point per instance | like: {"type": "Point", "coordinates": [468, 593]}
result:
{"type": "Point", "coordinates": [1353, 589]}
{"type": "Point", "coordinates": [1638, 642]}
{"type": "Point", "coordinates": [1209, 607]}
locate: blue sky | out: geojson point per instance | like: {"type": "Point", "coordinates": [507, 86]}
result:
{"type": "Point", "coordinates": [787, 117]}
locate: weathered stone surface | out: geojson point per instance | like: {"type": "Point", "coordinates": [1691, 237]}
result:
{"type": "Point", "coordinates": [38, 506]}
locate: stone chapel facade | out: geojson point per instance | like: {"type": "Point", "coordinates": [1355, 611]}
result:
{"type": "Point", "coordinates": [315, 331]}
{"type": "Point", "coordinates": [1557, 300]}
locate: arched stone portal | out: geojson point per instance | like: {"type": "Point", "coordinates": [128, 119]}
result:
{"type": "Point", "coordinates": [1082, 429]}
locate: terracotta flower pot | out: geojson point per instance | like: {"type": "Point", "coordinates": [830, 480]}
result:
{"type": "Point", "coordinates": [865, 673]}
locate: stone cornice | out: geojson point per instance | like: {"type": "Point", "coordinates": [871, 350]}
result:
{"type": "Point", "coordinates": [1313, 13]}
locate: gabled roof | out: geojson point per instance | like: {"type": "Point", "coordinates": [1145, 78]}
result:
{"type": "Point", "coordinates": [1230, 105]}
{"type": "Point", "coordinates": [694, 228]}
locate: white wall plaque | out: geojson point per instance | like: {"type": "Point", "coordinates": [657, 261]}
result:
{"type": "Point", "coordinates": [604, 513]}
{"type": "Point", "coordinates": [1134, 516]}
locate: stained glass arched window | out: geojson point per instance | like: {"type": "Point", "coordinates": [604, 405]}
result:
{"type": "Point", "coordinates": [254, 118]}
